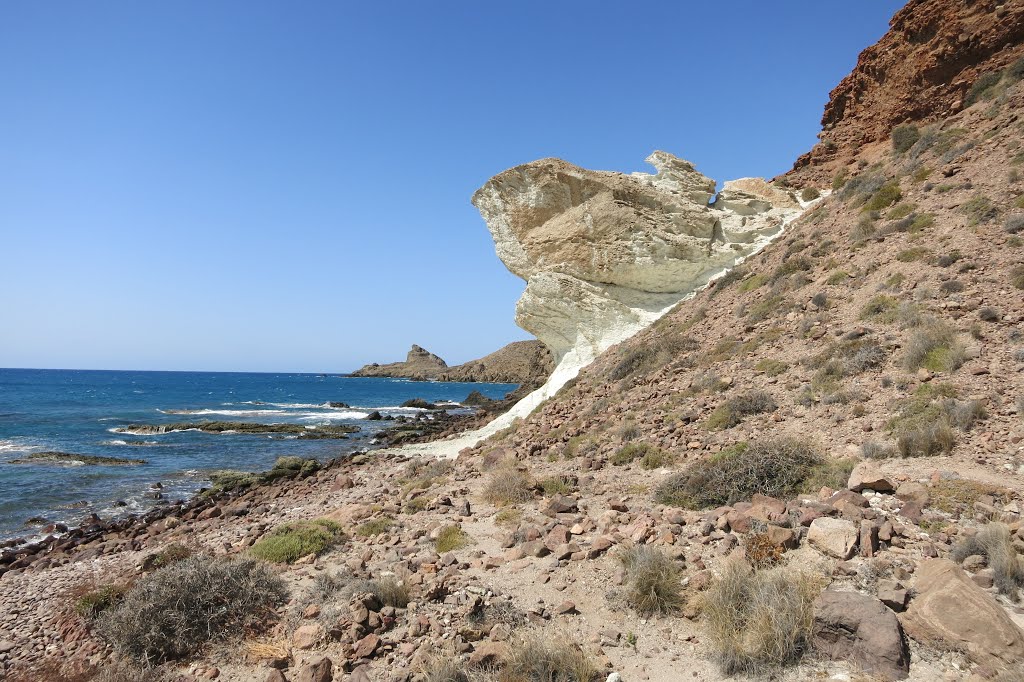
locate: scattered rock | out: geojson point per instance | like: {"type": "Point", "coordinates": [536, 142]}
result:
{"type": "Point", "coordinates": [860, 629]}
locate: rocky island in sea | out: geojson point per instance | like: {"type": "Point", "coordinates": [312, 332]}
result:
{"type": "Point", "coordinates": [781, 439]}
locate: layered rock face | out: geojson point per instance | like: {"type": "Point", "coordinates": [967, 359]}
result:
{"type": "Point", "coordinates": [920, 70]}
{"type": "Point", "coordinates": [604, 253]}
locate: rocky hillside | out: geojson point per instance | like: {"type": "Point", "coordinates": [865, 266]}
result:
{"type": "Point", "coordinates": [936, 59]}
{"type": "Point", "coordinates": [813, 469]}
{"type": "Point", "coordinates": [520, 362]}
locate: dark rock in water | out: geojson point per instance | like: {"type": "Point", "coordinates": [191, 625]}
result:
{"type": "Point", "coordinates": [156, 486]}
{"type": "Point", "coordinates": [478, 399]}
{"type": "Point", "coordinates": [338, 404]}
{"type": "Point", "coordinates": [36, 521]}
{"type": "Point", "coordinates": [374, 416]}
{"type": "Point", "coordinates": [316, 432]}
{"type": "Point", "coordinates": [69, 458]}
{"type": "Point", "coordinates": [120, 503]}
{"type": "Point", "coordinates": [419, 403]}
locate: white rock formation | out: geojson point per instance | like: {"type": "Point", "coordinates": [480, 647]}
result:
{"type": "Point", "coordinates": [605, 254]}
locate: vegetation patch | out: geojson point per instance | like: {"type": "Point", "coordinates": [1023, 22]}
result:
{"type": "Point", "coordinates": [292, 541]}
{"type": "Point", "coordinates": [914, 253]}
{"type": "Point", "coordinates": [557, 485]}
{"type": "Point", "coordinates": [995, 543]}
{"type": "Point", "coordinates": [542, 657]}
{"type": "Point", "coordinates": [979, 209]}
{"type": "Point", "coordinates": [171, 613]}
{"type": "Point", "coordinates": [752, 282]}
{"type": "Point", "coordinates": [880, 308]}
{"type": "Point", "coordinates": [374, 527]}
{"type": "Point", "coordinates": [935, 347]}
{"type": "Point", "coordinates": [904, 137]}
{"type": "Point", "coordinates": [957, 496]}
{"type": "Point", "coordinates": [772, 368]}
{"type": "Point", "coordinates": [94, 602]}
{"type": "Point", "coordinates": [982, 87]}
{"type": "Point", "coordinates": [507, 485]}
{"type": "Point", "coordinates": [886, 195]}
{"type": "Point", "coordinates": [759, 620]}
{"type": "Point", "coordinates": [926, 423]}
{"type": "Point", "coordinates": [1017, 277]}
{"type": "Point", "coordinates": [732, 411]}
{"type": "Point", "coordinates": [774, 467]}
{"type": "Point", "coordinates": [652, 581]}
{"type": "Point", "coordinates": [641, 360]}
{"type": "Point", "coordinates": [451, 538]}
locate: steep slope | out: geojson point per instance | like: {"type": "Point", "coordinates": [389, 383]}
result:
{"type": "Point", "coordinates": [934, 60]}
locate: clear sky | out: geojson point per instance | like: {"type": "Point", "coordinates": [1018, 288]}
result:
{"type": "Point", "coordinates": [285, 186]}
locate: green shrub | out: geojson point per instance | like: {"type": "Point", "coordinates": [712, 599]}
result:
{"type": "Point", "coordinates": [925, 423]}
{"type": "Point", "coordinates": [1014, 224]}
{"type": "Point", "coordinates": [652, 580]}
{"type": "Point", "coordinates": [556, 485]}
{"type": "Point", "coordinates": [452, 538]}
{"type": "Point", "coordinates": [904, 137]}
{"type": "Point", "coordinates": [777, 468]}
{"type": "Point", "coordinates": [809, 194]}
{"type": "Point", "coordinates": [732, 411]}
{"type": "Point", "coordinates": [979, 209]}
{"type": "Point", "coordinates": [757, 621]}
{"type": "Point", "coordinates": [921, 222]}
{"type": "Point", "coordinates": [837, 277]}
{"type": "Point", "coordinates": [1017, 277]}
{"type": "Point", "coordinates": [982, 87]}
{"type": "Point", "coordinates": [1015, 72]}
{"type": "Point", "coordinates": [935, 347]}
{"type": "Point", "coordinates": [772, 368]}
{"type": "Point", "coordinates": [381, 524]}
{"type": "Point", "coordinates": [94, 602]}
{"type": "Point", "coordinates": [880, 308]}
{"type": "Point", "coordinates": [292, 541]}
{"type": "Point", "coordinates": [171, 613]}
{"type": "Point", "coordinates": [752, 283]}
{"type": "Point", "coordinates": [832, 473]}
{"type": "Point", "coordinates": [887, 195]}
{"type": "Point", "coordinates": [914, 253]}
{"type": "Point", "coordinates": [839, 179]}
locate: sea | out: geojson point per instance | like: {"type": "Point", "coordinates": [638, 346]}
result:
{"type": "Point", "coordinates": [89, 412]}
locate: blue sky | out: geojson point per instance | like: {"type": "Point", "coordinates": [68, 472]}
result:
{"type": "Point", "coordinates": [285, 186]}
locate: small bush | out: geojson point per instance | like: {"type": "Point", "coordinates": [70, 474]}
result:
{"type": "Point", "coordinates": [752, 282]}
{"type": "Point", "coordinates": [935, 347]}
{"type": "Point", "coordinates": [988, 313]}
{"type": "Point", "coordinates": [900, 211]}
{"type": "Point", "coordinates": [837, 277]}
{"type": "Point", "coordinates": [1015, 72]}
{"type": "Point", "coordinates": [1017, 277]}
{"type": "Point", "coordinates": [881, 308]}
{"type": "Point", "coordinates": [174, 611]}
{"type": "Point", "coordinates": [914, 253]}
{"type": "Point", "coordinates": [830, 473]}
{"type": "Point", "coordinates": [809, 194]}
{"type": "Point", "coordinates": [921, 222]}
{"type": "Point", "coordinates": [995, 543]}
{"type": "Point", "coordinates": [957, 496]}
{"type": "Point", "coordinates": [873, 449]}
{"type": "Point", "coordinates": [93, 603]}
{"type": "Point", "coordinates": [887, 195]}
{"type": "Point", "coordinates": [761, 620]}
{"type": "Point", "coordinates": [381, 524]}
{"type": "Point", "coordinates": [652, 581]}
{"type": "Point", "coordinates": [655, 458]}
{"type": "Point", "coordinates": [772, 368]}
{"type": "Point", "coordinates": [777, 468]}
{"type": "Point", "coordinates": [292, 541]}
{"type": "Point", "coordinates": [452, 538]}
{"type": "Point", "coordinates": [732, 411]}
{"type": "Point", "coordinates": [981, 87]}
{"type": "Point", "coordinates": [904, 137]}
{"type": "Point", "coordinates": [507, 485]}
{"type": "Point", "coordinates": [979, 209]}
{"type": "Point", "coordinates": [839, 179]}
{"type": "Point", "coordinates": [556, 485]}
{"type": "Point", "coordinates": [952, 286]}
{"type": "Point", "coordinates": [543, 658]}
{"type": "Point", "coordinates": [170, 554]}
{"type": "Point", "coordinates": [1014, 224]}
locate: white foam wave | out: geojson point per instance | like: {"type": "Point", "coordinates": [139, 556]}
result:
{"type": "Point", "coordinates": [230, 413]}
{"type": "Point", "coordinates": [329, 416]}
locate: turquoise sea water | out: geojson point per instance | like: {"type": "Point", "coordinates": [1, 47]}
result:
{"type": "Point", "coordinates": [77, 411]}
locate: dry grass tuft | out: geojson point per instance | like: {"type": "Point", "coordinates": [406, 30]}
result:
{"type": "Point", "coordinates": [759, 620]}
{"type": "Point", "coordinates": [935, 347]}
{"type": "Point", "coordinates": [542, 658]}
{"type": "Point", "coordinates": [452, 538]}
{"type": "Point", "coordinates": [652, 580]}
{"type": "Point", "coordinates": [732, 411]}
{"type": "Point", "coordinates": [507, 485]}
{"type": "Point", "coordinates": [994, 542]}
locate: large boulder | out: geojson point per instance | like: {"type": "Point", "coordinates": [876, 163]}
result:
{"type": "Point", "coordinates": [948, 607]}
{"type": "Point", "coordinates": [867, 476]}
{"type": "Point", "coordinates": [834, 537]}
{"type": "Point", "coordinates": [854, 627]}
{"type": "Point", "coordinates": [603, 253]}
